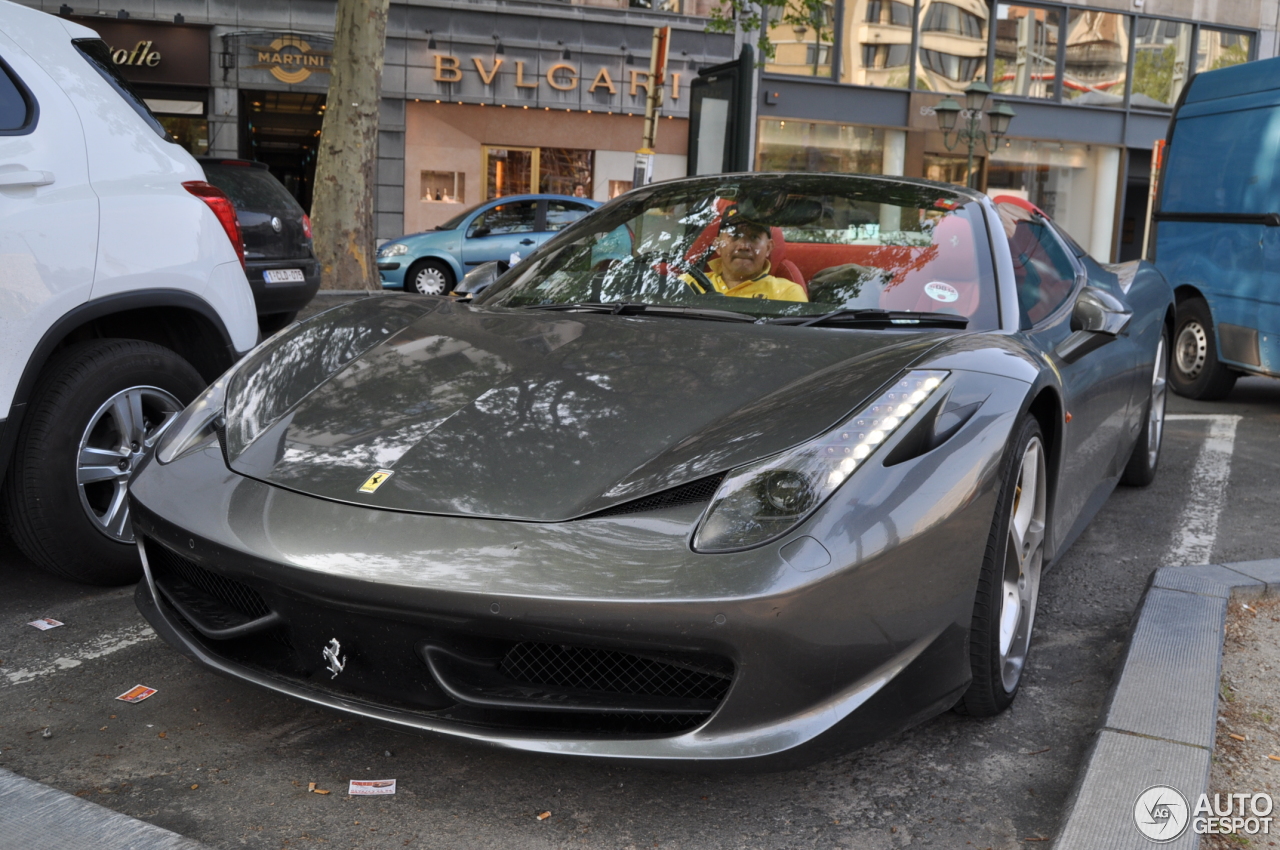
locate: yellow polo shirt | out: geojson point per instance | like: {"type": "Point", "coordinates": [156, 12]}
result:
{"type": "Point", "coordinates": [763, 285]}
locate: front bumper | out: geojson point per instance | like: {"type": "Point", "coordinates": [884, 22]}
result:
{"type": "Point", "coordinates": [816, 662]}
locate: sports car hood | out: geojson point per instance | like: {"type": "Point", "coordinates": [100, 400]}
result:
{"type": "Point", "coordinates": [533, 415]}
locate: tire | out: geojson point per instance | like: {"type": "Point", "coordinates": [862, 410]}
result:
{"type": "Point", "coordinates": [95, 409]}
{"type": "Point", "coordinates": [1141, 469]}
{"type": "Point", "coordinates": [275, 321]}
{"type": "Point", "coordinates": [1008, 588]}
{"type": "Point", "coordinates": [1196, 372]}
{"type": "Point", "coordinates": [429, 277]}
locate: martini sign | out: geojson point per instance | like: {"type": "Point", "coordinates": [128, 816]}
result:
{"type": "Point", "coordinates": [291, 59]}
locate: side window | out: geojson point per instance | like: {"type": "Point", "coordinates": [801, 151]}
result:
{"type": "Point", "coordinates": [16, 111]}
{"type": "Point", "coordinates": [505, 218]}
{"type": "Point", "coordinates": [1044, 273]}
{"type": "Point", "coordinates": [561, 214]}
{"type": "Point", "coordinates": [98, 55]}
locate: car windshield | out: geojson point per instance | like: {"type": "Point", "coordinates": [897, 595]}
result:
{"type": "Point", "coordinates": [455, 222]}
{"type": "Point", "coordinates": [772, 245]}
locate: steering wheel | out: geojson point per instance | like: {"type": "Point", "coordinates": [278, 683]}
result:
{"type": "Point", "coordinates": [701, 277]}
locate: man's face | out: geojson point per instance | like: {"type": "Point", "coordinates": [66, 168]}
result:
{"type": "Point", "coordinates": [744, 250]}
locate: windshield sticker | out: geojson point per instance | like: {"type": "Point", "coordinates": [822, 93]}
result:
{"type": "Point", "coordinates": [939, 291]}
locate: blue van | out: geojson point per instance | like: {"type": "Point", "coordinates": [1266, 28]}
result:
{"type": "Point", "coordinates": [1216, 229]}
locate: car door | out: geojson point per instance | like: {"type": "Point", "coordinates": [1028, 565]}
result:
{"type": "Point", "coordinates": [1096, 386]}
{"type": "Point", "coordinates": [501, 231]}
{"type": "Point", "coordinates": [48, 211]}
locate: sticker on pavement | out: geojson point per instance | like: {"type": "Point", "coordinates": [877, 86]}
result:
{"type": "Point", "coordinates": [45, 623]}
{"type": "Point", "coordinates": [371, 787]}
{"type": "Point", "coordinates": [136, 694]}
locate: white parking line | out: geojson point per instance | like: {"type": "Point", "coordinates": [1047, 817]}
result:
{"type": "Point", "coordinates": [1207, 493]}
{"type": "Point", "coordinates": [87, 651]}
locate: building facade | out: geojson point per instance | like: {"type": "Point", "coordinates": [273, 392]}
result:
{"type": "Point", "coordinates": [1093, 87]}
{"type": "Point", "coordinates": [480, 99]}
{"type": "Point", "coordinates": [497, 97]}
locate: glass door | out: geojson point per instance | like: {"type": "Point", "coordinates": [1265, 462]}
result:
{"type": "Point", "coordinates": [510, 171]}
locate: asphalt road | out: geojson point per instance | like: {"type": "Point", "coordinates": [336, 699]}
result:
{"type": "Point", "coordinates": [223, 763]}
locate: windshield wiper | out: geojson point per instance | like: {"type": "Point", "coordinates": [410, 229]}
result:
{"type": "Point", "coordinates": [871, 317]}
{"type": "Point", "coordinates": [628, 308]}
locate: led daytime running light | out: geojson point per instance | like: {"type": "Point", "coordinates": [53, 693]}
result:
{"type": "Point", "coordinates": [764, 500]}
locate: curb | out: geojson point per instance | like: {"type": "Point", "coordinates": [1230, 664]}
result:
{"type": "Point", "coordinates": [35, 815]}
{"type": "Point", "coordinates": [1159, 722]}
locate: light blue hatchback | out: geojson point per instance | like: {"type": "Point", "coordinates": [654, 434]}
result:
{"type": "Point", "coordinates": [507, 229]}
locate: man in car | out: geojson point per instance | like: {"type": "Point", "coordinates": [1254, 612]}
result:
{"type": "Point", "coordinates": [742, 268]}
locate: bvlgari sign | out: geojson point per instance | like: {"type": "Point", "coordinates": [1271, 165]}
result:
{"type": "Point", "coordinates": [560, 76]}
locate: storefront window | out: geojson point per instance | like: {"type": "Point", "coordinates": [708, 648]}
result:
{"type": "Point", "coordinates": [819, 146]}
{"type": "Point", "coordinates": [1026, 51]}
{"type": "Point", "coordinates": [802, 39]}
{"type": "Point", "coordinates": [555, 171]}
{"type": "Point", "coordinates": [1074, 184]}
{"type": "Point", "coordinates": [1097, 58]}
{"type": "Point", "coordinates": [1161, 54]}
{"type": "Point", "coordinates": [947, 169]}
{"type": "Point", "coordinates": [190, 132]}
{"type": "Point", "coordinates": [1219, 49]}
{"type": "Point", "coordinates": [953, 45]}
{"type": "Point", "coordinates": [877, 38]}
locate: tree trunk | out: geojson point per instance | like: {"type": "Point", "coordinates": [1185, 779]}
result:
{"type": "Point", "coordinates": [346, 164]}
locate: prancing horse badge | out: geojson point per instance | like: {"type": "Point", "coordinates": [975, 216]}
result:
{"type": "Point", "coordinates": [375, 481]}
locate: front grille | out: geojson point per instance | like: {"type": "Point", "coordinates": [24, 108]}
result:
{"type": "Point", "coordinates": [610, 671]}
{"type": "Point", "coordinates": [240, 597]}
{"type": "Point", "coordinates": [686, 494]}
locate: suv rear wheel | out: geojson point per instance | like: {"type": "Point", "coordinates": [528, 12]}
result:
{"type": "Point", "coordinates": [96, 408]}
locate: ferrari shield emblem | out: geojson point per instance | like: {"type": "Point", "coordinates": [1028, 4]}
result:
{"type": "Point", "coordinates": [375, 481]}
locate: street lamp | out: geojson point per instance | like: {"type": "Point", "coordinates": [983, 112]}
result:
{"type": "Point", "coordinates": [971, 132]}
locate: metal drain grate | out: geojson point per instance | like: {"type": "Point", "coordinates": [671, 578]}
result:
{"type": "Point", "coordinates": [230, 592]}
{"type": "Point", "coordinates": [610, 671]}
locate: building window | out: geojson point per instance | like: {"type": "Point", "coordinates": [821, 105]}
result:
{"type": "Point", "coordinates": [818, 146]}
{"type": "Point", "coordinates": [1097, 58]}
{"type": "Point", "coordinates": [953, 45]}
{"type": "Point", "coordinates": [802, 40]}
{"type": "Point", "coordinates": [1026, 51]}
{"type": "Point", "coordinates": [879, 35]}
{"type": "Point", "coordinates": [1162, 51]}
{"type": "Point", "coordinates": [446, 187]}
{"type": "Point", "coordinates": [950, 18]}
{"type": "Point", "coordinates": [1221, 49]}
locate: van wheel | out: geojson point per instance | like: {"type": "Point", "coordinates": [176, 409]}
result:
{"type": "Point", "coordinates": [95, 410]}
{"type": "Point", "coordinates": [1197, 372]}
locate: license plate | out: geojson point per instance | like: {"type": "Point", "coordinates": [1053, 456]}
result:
{"type": "Point", "coordinates": [283, 276]}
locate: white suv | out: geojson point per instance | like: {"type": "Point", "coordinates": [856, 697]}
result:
{"type": "Point", "coordinates": [122, 293]}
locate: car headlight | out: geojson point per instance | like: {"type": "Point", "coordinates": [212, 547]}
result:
{"type": "Point", "coordinates": [196, 426]}
{"type": "Point", "coordinates": [393, 250]}
{"type": "Point", "coordinates": [763, 500]}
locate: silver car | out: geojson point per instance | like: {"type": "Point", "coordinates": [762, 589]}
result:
{"type": "Point", "coordinates": [610, 508]}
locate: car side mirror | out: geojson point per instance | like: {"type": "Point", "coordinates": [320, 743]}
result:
{"type": "Point", "coordinates": [480, 231]}
{"type": "Point", "coordinates": [1097, 318]}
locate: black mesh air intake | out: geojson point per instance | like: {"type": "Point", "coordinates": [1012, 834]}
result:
{"type": "Point", "coordinates": [246, 600]}
{"type": "Point", "coordinates": [610, 671]}
{"type": "Point", "coordinates": [692, 493]}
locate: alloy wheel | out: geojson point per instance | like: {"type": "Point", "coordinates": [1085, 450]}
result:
{"type": "Point", "coordinates": [1192, 349]}
{"type": "Point", "coordinates": [118, 434]}
{"type": "Point", "coordinates": [1024, 555]}
{"type": "Point", "coordinates": [1155, 410]}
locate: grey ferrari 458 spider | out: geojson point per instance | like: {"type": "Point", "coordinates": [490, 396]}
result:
{"type": "Point", "coordinates": [748, 467]}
